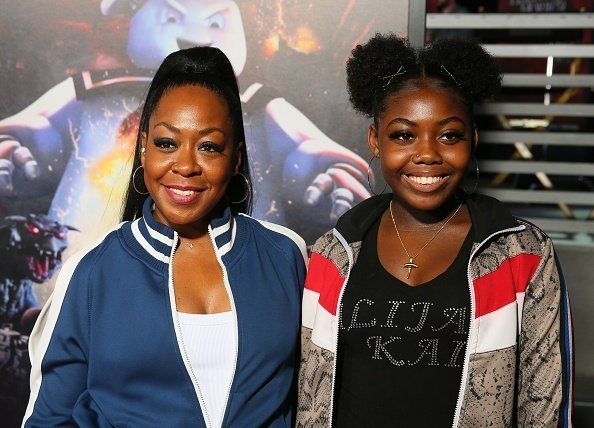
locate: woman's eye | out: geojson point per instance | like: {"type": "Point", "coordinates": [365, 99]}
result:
{"type": "Point", "coordinates": [401, 135]}
{"type": "Point", "coordinates": [452, 136]}
{"type": "Point", "coordinates": [165, 143]}
{"type": "Point", "coordinates": [210, 147]}
{"type": "Point", "coordinates": [216, 21]}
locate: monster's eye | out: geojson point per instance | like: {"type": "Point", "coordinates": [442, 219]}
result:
{"type": "Point", "coordinates": [60, 235]}
{"type": "Point", "coordinates": [33, 229]}
{"type": "Point", "coordinates": [216, 21]}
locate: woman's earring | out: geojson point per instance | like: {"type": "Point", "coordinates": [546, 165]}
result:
{"type": "Point", "coordinates": [476, 178]}
{"type": "Point", "coordinates": [247, 189]}
{"type": "Point", "coordinates": [134, 181]}
{"type": "Point", "coordinates": [369, 178]}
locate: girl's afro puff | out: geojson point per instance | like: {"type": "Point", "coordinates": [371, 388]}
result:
{"type": "Point", "coordinates": [474, 70]}
{"type": "Point", "coordinates": [386, 62]}
{"type": "Point", "coordinates": [370, 66]}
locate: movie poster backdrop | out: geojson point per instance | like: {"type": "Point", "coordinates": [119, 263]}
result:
{"type": "Point", "coordinates": [72, 77]}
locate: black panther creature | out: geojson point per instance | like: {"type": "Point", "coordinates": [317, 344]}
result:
{"type": "Point", "coordinates": [30, 251]}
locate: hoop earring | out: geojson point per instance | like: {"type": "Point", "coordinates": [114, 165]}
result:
{"type": "Point", "coordinates": [247, 189]}
{"type": "Point", "coordinates": [134, 182]}
{"type": "Point", "coordinates": [369, 179]}
{"type": "Point", "coordinates": [476, 178]}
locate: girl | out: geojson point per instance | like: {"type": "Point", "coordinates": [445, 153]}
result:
{"type": "Point", "coordinates": [427, 306]}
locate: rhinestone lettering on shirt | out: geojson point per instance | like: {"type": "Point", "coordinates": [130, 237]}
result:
{"type": "Point", "coordinates": [355, 323]}
{"type": "Point", "coordinates": [420, 322]}
{"type": "Point", "coordinates": [379, 348]}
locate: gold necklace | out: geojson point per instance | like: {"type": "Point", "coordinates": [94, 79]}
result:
{"type": "Point", "coordinates": [411, 259]}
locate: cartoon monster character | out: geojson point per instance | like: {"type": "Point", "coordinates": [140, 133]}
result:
{"type": "Point", "coordinates": [70, 139]}
{"type": "Point", "coordinates": [31, 250]}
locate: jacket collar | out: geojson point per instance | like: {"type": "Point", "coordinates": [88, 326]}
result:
{"type": "Point", "coordinates": [488, 216]}
{"type": "Point", "coordinates": [157, 239]}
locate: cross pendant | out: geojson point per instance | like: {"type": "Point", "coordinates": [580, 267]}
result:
{"type": "Point", "coordinates": [410, 265]}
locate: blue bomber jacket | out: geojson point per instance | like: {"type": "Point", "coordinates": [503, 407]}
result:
{"type": "Point", "coordinates": [107, 351]}
{"type": "Point", "coordinates": [518, 365]}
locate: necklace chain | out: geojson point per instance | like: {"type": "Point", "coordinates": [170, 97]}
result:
{"type": "Point", "coordinates": [411, 259]}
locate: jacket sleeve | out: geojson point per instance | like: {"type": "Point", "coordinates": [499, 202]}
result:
{"type": "Point", "coordinates": [316, 367]}
{"type": "Point", "coordinates": [545, 366]}
{"type": "Point", "coordinates": [58, 348]}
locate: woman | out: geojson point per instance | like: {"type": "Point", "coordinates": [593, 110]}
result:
{"type": "Point", "coordinates": [426, 306]}
{"type": "Point", "coordinates": [188, 313]}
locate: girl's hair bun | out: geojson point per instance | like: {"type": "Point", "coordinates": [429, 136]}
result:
{"type": "Point", "coordinates": [473, 69]}
{"type": "Point", "coordinates": [387, 62]}
{"type": "Point", "coordinates": [371, 65]}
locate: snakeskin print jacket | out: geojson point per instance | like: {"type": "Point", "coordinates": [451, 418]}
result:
{"type": "Point", "coordinates": [518, 366]}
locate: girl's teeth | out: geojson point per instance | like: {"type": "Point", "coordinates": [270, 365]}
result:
{"type": "Point", "coordinates": [425, 180]}
{"type": "Point", "coordinates": [183, 192]}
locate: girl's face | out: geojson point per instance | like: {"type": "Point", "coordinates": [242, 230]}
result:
{"type": "Point", "coordinates": [189, 156]}
{"type": "Point", "coordinates": [161, 27]}
{"type": "Point", "coordinates": [424, 140]}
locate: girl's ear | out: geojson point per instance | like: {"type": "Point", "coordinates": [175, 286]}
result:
{"type": "Point", "coordinates": [475, 139]}
{"type": "Point", "coordinates": [372, 140]}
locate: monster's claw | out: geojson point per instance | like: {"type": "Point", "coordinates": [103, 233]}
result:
{"type": "Point", "coordinates": [23, 158]}
{"type": "Point", "coordinates": [342, 201]}
{"type": "Point", "coordinates": [320, 187]}
{"type": "Point", "coordinates": [6, 169]}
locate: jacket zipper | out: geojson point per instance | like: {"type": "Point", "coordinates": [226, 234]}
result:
{"type": "Point", "coordinates": [185, 357]}
{"type": "Point", "coordinates": [181, 339]}
{"type": "Point", "coordinates": [235, 323]}
{"type": "Point", "coordinates": [463, 380]}
{"type": "Point", "coordinates": [338, 315]}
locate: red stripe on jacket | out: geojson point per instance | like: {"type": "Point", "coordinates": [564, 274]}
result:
{"type": "Point", "coordinates": [324, 278]}
{"type": "Point", "coordinates": [497, 289]}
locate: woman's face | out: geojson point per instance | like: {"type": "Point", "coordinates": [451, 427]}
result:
{"type": "Point", "coordinates": [424, 141]}
{"type": "Point", "coordinates": [189, 156]}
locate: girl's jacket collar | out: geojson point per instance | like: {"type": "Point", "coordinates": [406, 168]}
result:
{"type": "Point", "coordinates": [488, 216]}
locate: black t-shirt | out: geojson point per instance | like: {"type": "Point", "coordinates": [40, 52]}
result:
{"type": "Point", "coordinates": [401, 348]}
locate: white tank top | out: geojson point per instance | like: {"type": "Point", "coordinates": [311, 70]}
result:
{"type": "Point", "coordinates": [209, 340]}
